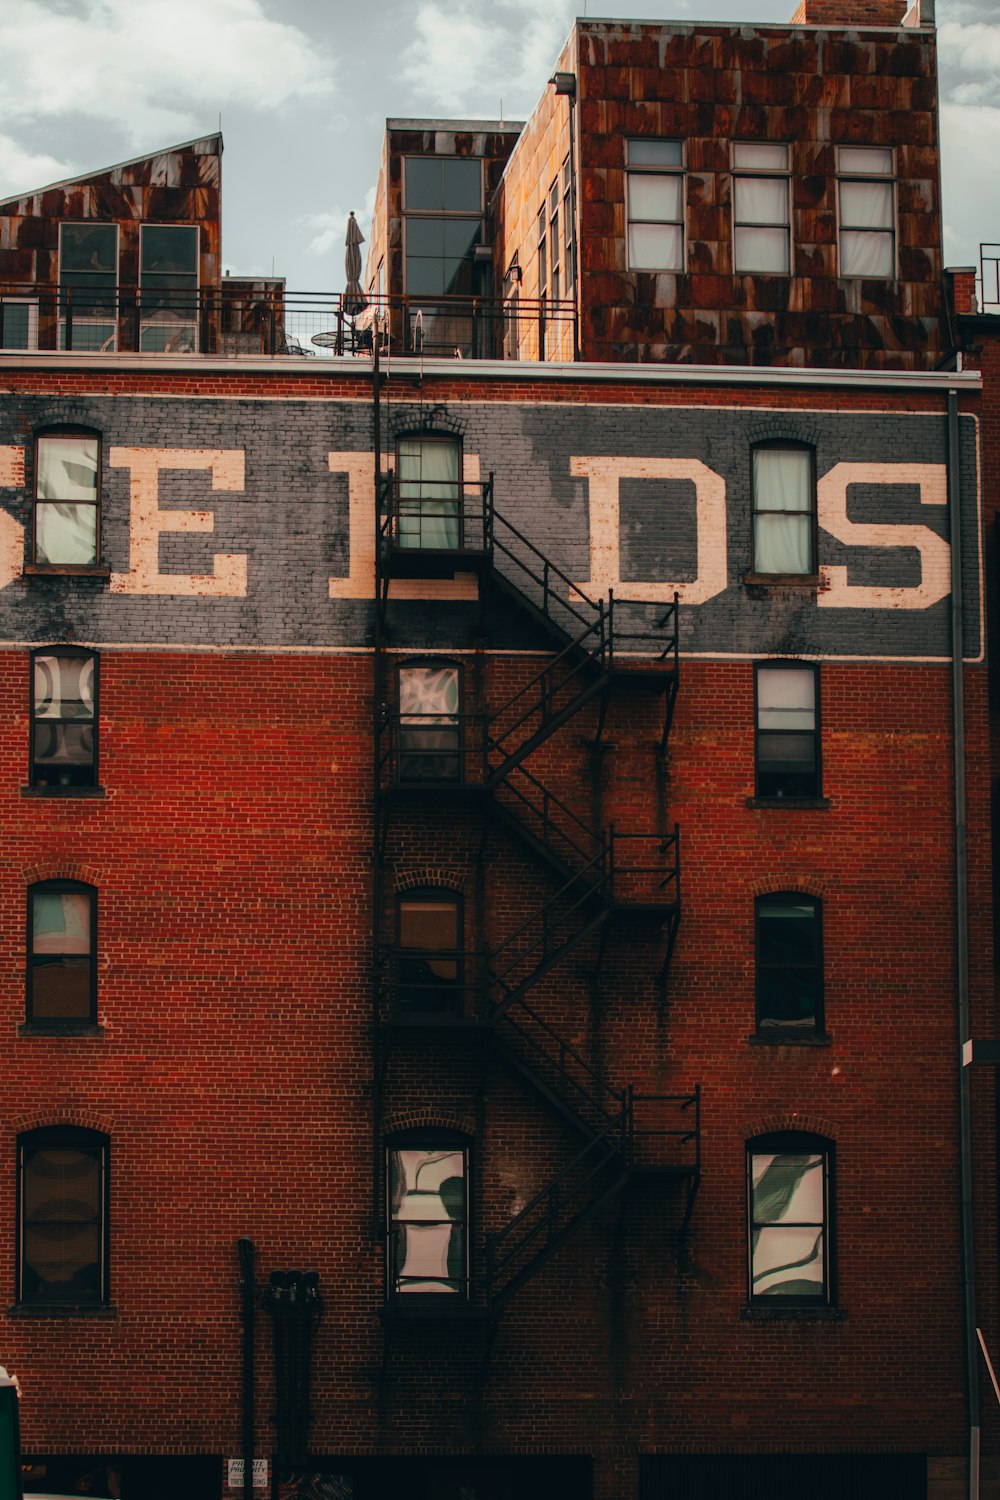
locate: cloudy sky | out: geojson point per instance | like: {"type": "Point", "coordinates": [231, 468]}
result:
{"type": "Point", "coordinates": [303, 88]}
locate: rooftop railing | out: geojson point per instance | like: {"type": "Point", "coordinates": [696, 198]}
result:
{"type": "Point", "coordinates": [246, 318]}
{"type": "Point", "coordinates": [989, 278]}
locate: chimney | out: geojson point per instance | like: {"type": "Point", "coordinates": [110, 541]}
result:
{"type": "Point", "coordinates": [848, 13]}
{"type": "Point", "coordinates": [963, 288]}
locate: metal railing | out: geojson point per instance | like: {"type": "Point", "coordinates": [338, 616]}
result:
{"type": "Point", "coordinates": [254, 317]}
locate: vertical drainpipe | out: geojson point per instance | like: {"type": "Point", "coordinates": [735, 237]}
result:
{"type": "Point", "coordinates": [244, 1249]}
{"type": "Point", "coordinates": [962, 945]}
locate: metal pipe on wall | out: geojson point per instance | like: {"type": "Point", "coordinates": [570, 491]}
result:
{"type": "Point", "coordinates": [244, 1249]}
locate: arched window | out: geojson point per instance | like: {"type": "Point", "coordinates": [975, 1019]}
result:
{"type": "Point", "coordinates": [429, 959]}
{"type": "Point", "coordinates": [62, 1217]}
{"type": "Point", "coordinates": [784, 510]}
{"type": "Point", "coordinates": [66, 534]}
{"type": "Point", "coordinates": [427, 1178]}
{"type": "Point", "coordinates": [789, 964]}
{"type": "Point", "coordinates": [63, 718]}
{"type": "Point", "coordinates": [430, 722]}
{"type": "Point", "coordinates": [62, 953]}
{"type": "Point", "coordinates": [789, 1216]}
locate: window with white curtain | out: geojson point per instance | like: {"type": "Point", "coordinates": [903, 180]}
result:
{"type": "Point", "coordinates": [427, 1220]}
{"type": "Point", "coordinates": [761, 208]}
{"type": "Point", "coordinates": [787, 729]}
{"type": "Point", "coordinates": [784, 510]}
{"type": "Point", "coordinates": [429, 513]}
{"type": "Point", "coordinates": [867, 210]}
{"type": "Point", "coordinates": [63, 718]}
{"type": "Point", "coordinates": [789, 1212]}
{"type": "Point", "coordinates": [655, 205]}
{"type": "Point", "coordinates": [67, 500]}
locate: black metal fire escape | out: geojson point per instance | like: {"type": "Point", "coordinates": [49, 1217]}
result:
{"type": "Point", "coordinates": [598, 875]}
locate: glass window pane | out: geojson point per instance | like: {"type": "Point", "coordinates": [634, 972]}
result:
{"type": "Point", "coordinates": [867, 159]}
{"type": "Point", "coordinates": [794, 753]}
{"type": "Point", "coordinates": [782, 544]}
{"type": "Point", "coordinates": [463, 183]}
{"type": "Point", "coordinates": [60, 922]}
{"type": "Point", "coordinates": [655, 197]}
{"type": "Point", "coordinates": [66, 534]}
{"type": "Point", "coordinates": [425, 277]}
{"type": "Point", "coordinates": [782, 479]}
{"type": "Point", "coordinates": [866, 254]}
{"type": "Point", "coordinates": [61, 989]}
{"type": "Point", "coordinates": [91, 248]}
{"type": "Point", "coordinates": [866, 205]}
{"type": "Point", "coordinates": [787, 1186]}
{"type": "Point", "coordinates": [761, 155]}
{"type": "Point", "coordinates": [761, 200]}
{"type": "Point", "coordinates": [68, 745]}
{"type": "Point", "coordinates": [425, 236]}
{"type": "Point", "coordinates": [62, 1183]}
{"type": "Point", "coordinates": [422, 182]}
{"type": "Point", "coordinates": [67, 468]}
{"type": "Point", "coordinates": [788, 1263]}
{"type": "Point", "coordinates": [428, 924]}
{"type": "Point", "coordinates": [17, 323]}
{"type": "Point", "coordinates": [459, 236]}
{"type": "Point", "coordinates": [786, 698]}
{"type": "Point", "coordinates": [787, 932]}
{"type": "Point", "coordinates": [762, 250]}
{"type": "Point", "coordinates": [655, 247]}
{"type": "Point", "coordinates": [655, 153]}
{"type": "Point", "coordinates": [64, 687]}
{"type": "Point", "coordinates": [169, 250]}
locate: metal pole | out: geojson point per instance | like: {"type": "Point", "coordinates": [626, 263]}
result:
{"type": "Point", "coordinates": [244, 1249]}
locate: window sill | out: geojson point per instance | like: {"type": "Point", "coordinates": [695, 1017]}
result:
{"type": "Point", "coordinates": [790, 802]}
{"type": "Point", "coordinates": [778, 1036]}
{"type": "Point", "coordinates": [417, 1309]}
{"type": "Point", "coordinates": [62, 1310]}
{"type": "Point", "coordinates": [67, 570]}
{"type": "Point", "coordinates": [63, 791]}
{"type": "Point", "coordinates": [757, 1312]}
{"type": "Point", "coordinates": [60, 1028]}
{"type": "Point", "coordinates": [781, 580]}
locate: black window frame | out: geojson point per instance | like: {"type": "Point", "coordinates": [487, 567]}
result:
{"type": "Point", "coordinates": [779, 1029]}
{"type": "Point", "coordinates": [65, 434]}
{"type": "Point", "coordinates": [457, 753]}
{"type": "Point", "coordinates": [400, 499]}
{"type": "Point", "coordinates": [810, 574]}
{"type": "Point", "coordinates": [765, 786]}
{"type": "Point", "coordinates": [435, 895]}
{"type": "Point", "coordinates": [60, 1023]}
{"type": "Point", "coordinates": [430, 1138]}
{"type": "Point", "coordinates": [794, 1143]}
{"type": "Point", "coordinates": [68, 1138]}
{"type": "Point", "coordinates": [36, 779]}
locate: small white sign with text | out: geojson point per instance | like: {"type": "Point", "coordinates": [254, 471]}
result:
{"type": "Point", "coordinates": [235, 1480]}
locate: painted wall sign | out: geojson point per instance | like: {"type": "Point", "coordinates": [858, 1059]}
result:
{"type": "Point", "coordinates": [253, 523]}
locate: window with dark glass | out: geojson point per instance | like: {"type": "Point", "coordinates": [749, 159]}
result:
{"type": "Point", "coordinates": [429, 516]}
{"type": "Point", "coordinates": [427, 1218]}
{"type": "Point", "coordinates": [429, 954]}
{"type": "Point", "coordinates": [88, 286]}
{"type": "Point", "coordinates": [62, 953]}
{"type": "Point", "coordinates": [789, 965]}
{"type": "Point", "coordinates": [655, 205]}
{"type": "Point", "coordinates": [788, 763]}
{"type": "Point", "coordinates": [18, 323]}
{"type": "Point", "coordinates": [569, 254]}
{"type": "Point", "coordinates": [67, 500]}
{"type": "Point", "coordinates": [443, 208]}
{"type": "Point", "coordinates": [62, 1217]}
{"type": "Point", "coordinates": [784, 510]}
{"type": "Point", "coordinates": [761, 208]}
{"type": "Point", "coordinates": [789, 1196]}
{"type": "Point", "coordinates": [867, 211]}
{"type": "Point", "coordinates": [430, 724]}
{"type": "Point", "coordinates": [168, 288]}
{"type": "Point", "coordinates": [63, 717]}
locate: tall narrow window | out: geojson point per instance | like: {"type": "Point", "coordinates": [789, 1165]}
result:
{"type": "Point", "coordinates": [430, 723]}
{"type": "Point", "coordinates": [88, 286]}
{"type": "Point", "coordinates": [867, 211]}
{"type": "Point", "coordinates": [569, 251]}
{"type": "Point", "coordinates": [761, 206]}
{"type": "Point", "coordinates": [18, 323]}
{"type": "Point", "coordinates": [168, 288]}
{"type": "Point", "coordinates": [67, 500]}
{"type": "Point", "coordinates": [62, 1217]}
{"type": "Point", "coordinates": [62, 953]}
{"type": "Point", "coordinates": [443, 208]}
{"type": "Point", "coordinates": [789, 1196]}
{"type": "Point", "coordinates": [429, 956]}
{"type": "Point", "coordinates": [789, 965]}
{"type": "Point", "coordinates": [788, 730]}
{"type": "Point", "coordinates": [784, 510]}
{"type": "Point", "coordinates": [63, 718]}
{"type": "Point", "coordinates": [655, 205]}
{"type": "Point", "coordinates": [427, 1219]}
{"type": "Point", "coordinates": [429, 493]}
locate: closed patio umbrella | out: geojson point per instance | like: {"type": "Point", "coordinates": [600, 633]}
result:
{"type": "Point", "coordinates": [355, 300]}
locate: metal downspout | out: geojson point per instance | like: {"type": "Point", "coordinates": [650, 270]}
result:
{"type": "Point", "coordinates": [962, 945]}
{"type": "Point", "coordinates": [244, 1248]}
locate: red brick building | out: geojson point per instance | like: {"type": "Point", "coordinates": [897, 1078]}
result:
{"type": "Point", "coordinates": [497, 858]}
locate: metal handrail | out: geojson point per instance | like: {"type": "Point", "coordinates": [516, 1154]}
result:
{"type": "Point", "coordinates": [542, 704]}
{"type": "Point", "coordinates": [550, 826]}
{"type": "Point", "coordinates": [587, 892]}
{"type": "Point", "coordinates": [566, 1050]}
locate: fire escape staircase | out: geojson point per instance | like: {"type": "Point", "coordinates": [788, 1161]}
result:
{"type": "Point", "coordinates": [597, 873]}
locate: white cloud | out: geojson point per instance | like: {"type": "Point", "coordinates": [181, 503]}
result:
{"type": "Point", "coordinates": [22, 171]}
{"type": "Point", "coordinates": [464, 58]}
{"type": "Point", "coordinates": [157, 71]}
{"type": "Point", "coordinates": [329, 229]}
{"type": "Point", "coordinates": [970, 148]}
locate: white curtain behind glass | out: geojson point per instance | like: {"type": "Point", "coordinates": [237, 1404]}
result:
{"type": "Point", "coordinates": [428, 494]}
{"type": "Point", "coordinates": [782, 523]}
